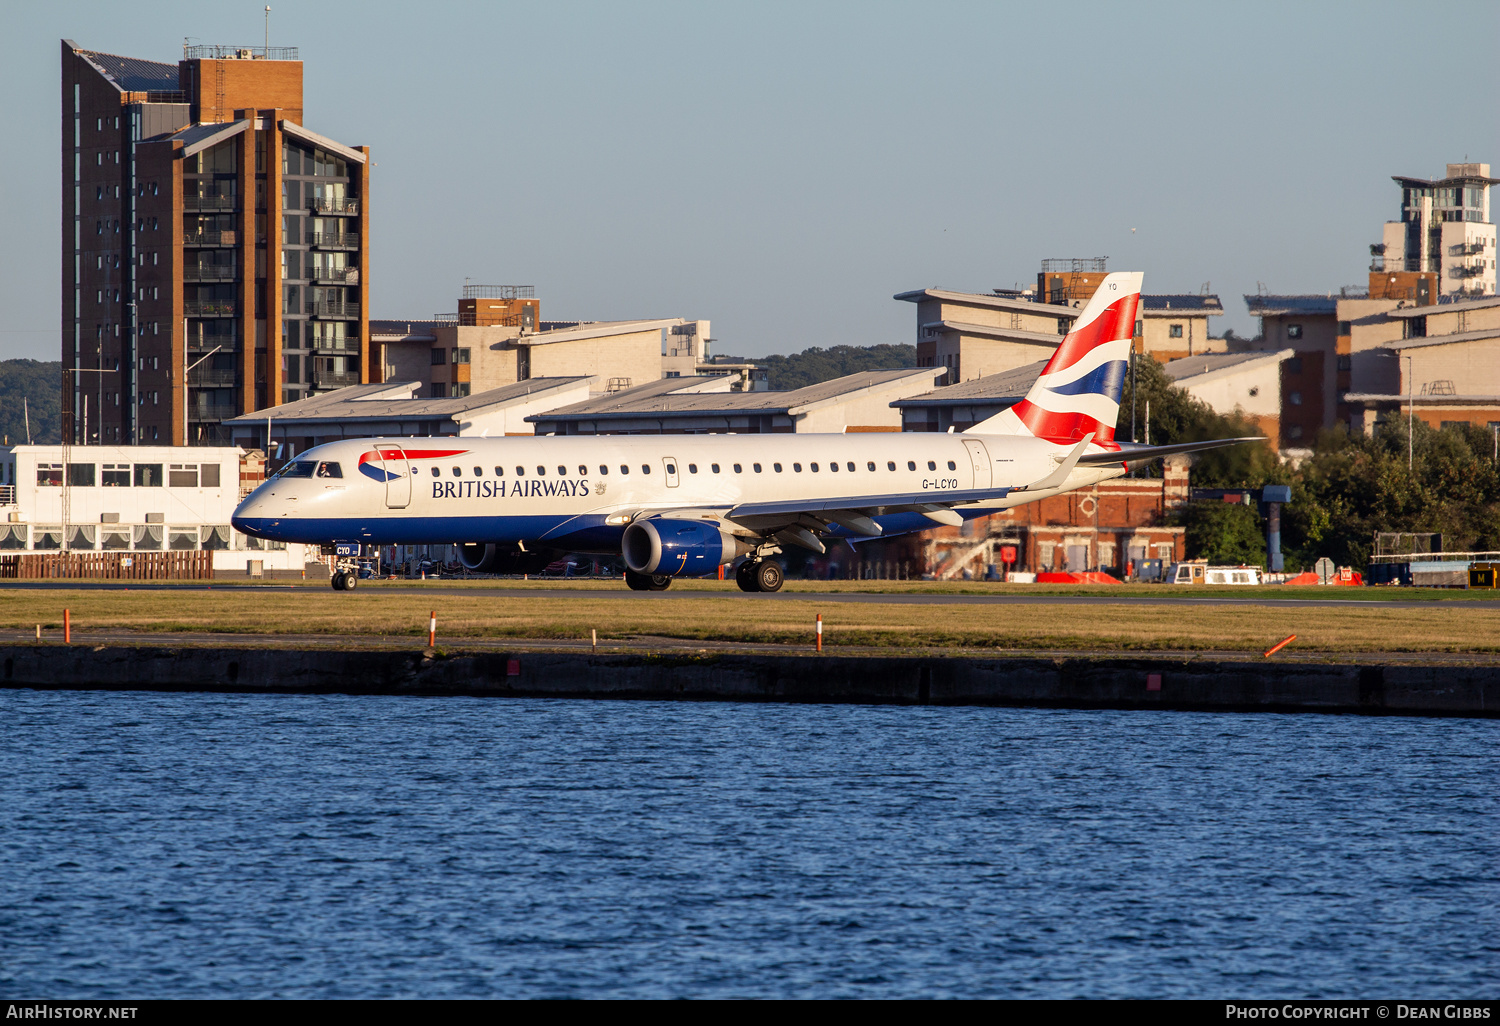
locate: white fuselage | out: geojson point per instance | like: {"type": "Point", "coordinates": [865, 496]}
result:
{"type": "Point", "coordinates": [579, 492]}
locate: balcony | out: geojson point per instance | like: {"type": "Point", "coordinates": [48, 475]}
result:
{"type": "Point", "coordinates": [210, 238]}
{"type": "Point", "coordinates": [333, 240]}
{"type": "Point", "coordinates": [217, 410]}
{"type": "Point", "coordinates": [334, 379]}
{"type": "Point", "coordinates": [334, 310]}
{"type": "Point", "coordinates": [341, 275]}
{"type": "Point", "coordinates": [202, 377]}
{"type": "Point", "coordinates": [210, 272]}
{"type": "Point", "coordinates": [227, 341]}
{"type": "Point", "coordinates": [209, 308]}
{"type": "Point", "coordinates": [210, 202]}
{"type": "Point", "coordinates": [349, 344]}
{"type": "Point", "coordinates": [334, 206]}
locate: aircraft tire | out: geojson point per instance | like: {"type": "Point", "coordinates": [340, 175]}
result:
{"type": "Point", "coordinates": [658, 582]}
{"type": "Point", "coordinates": [637, 582]}
{"type": "Point", "coordinates": [769, 576]}
{"type": "Point", "coordinates": [337, 580]}
{"type": "Point", "coordinates": [351, 579]}
{"type": "Point", "coordinates": [744, 575]}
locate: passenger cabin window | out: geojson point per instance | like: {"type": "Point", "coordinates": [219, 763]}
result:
{"type": "Point", "coordinates": [582, 470]}
{"type": "Point", "coordinates": [671, 468]}
{"type": "Point", "coordinates": [714, 467]}
{"type": "Point", "coordinates": [813, 467]}
{"type": "Point", "coordinates": [499, 471]}
{"type": "Point", "coordinates": [796, 468]}
{"type": "Point", "coordinates": [562, 471]}
{"type": "Point", "coordinates": [871, 464]}
{"type": "Point", "coordinates": [692, 468]}
{"type": "Point", "coordinates": [952, 465]}
{"type": "Point", "coordinates": [776, 467]}
{"type": "Point", "coordinates": [931, 465]}
{"type": "Point", "coordinates": [458, 472]}
{"type": "Point", "coordinates": [645, 468]}
{"type": "Point", "coordinates": [603, 469]}
{"type": "Point", "coordinates": [478, 471]}
{"type": "Point", "coordinates": [833, 465]}
{"type": "Point", "coordinates": [520, 471]}
{"type": "Point", "coordinates": [755, 467]}
{"type": "Point", "coordinates": [850, 465]}
{"type": "Point", "coordinates": [624, 468]}
{"type": "Point", "coordinates": [541, 471]}
{"type": "Point", "coordinates": [911, 464]}
{"type": "Point", "coordinates": [891, 465]}
{"type": "Point", "coordinates": [738, 469]}
{"type": "Point", "coordinates": [329, 469]}
{"type": "Point", "coordinates": [436, 472]}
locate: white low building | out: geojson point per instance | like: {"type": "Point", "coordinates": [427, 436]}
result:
{"type": "Point", "coordinates": [135, 498]}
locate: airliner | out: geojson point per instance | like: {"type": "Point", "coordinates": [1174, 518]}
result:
{"type": "Point", "coordinates": [686, 505]}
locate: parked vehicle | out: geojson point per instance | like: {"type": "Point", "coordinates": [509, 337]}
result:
{"type": "Point", "coordinates": [1197, 571]}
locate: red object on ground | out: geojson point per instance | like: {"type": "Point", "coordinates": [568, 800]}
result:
{"type": "Point", "coordinates": [1354, 579]}
{"type": "Point", "coordinates": [1277, 648]}
{"type": "Point", "coordinates": [1306, 577]}
{"type": "Point", "coordinates": [1087, 577]}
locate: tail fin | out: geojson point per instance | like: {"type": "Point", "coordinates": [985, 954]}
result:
{"type": "Point", "coordinates": [1078, 394]}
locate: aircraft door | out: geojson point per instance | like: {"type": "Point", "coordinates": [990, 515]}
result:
{"type": "Point", "coordinates": [671, 467]}
{"type": "Point", "coordinates": [979, 457]}
{"type": "Point", "coordinates": [398, 478]}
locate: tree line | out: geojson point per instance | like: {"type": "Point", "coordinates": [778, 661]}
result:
{"type": "Point", "coordinates": [1351, 486]}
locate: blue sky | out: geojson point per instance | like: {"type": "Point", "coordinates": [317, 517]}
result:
{"type": "Point", "coordinates": [784, 169]}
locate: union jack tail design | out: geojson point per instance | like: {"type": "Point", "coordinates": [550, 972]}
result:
{"type": "Point", "coordinates": [1078, 394]}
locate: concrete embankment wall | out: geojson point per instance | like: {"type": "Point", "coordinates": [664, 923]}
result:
{"type": "Point", "coordinates": [1026, 681]}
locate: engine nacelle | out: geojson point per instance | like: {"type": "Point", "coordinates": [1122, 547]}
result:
{"type": "Point", "coordinates": [679, 548]}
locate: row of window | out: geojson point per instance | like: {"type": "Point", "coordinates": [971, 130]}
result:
{"type": "Point", "coordinates": [106, 225]}
{"type": "Point", "coordinates": [329, 469]}
{"type": "Point", "coordinates": [125, 475]}
{"type": "Point", "coordinates": [692, 468]}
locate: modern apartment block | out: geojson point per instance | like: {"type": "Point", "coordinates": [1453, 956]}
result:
{"type": "Point", "coordinates": [215, 252]}
{"type": "Point", "coordinates": [1445, 230]}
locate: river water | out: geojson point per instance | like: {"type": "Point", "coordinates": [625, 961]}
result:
{"type": "Point", "coordinates": [207, 845]}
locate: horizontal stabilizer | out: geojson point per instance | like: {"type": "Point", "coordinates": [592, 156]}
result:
{"type": "Point", "coordinates": [1135, 453]}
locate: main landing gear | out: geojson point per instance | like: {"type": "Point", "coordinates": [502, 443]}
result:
{"type": "Point", "coordinates": [647, 582]}
{"type": "Point", "coordinates": [759, 575]}
{"type": "Point", "coordinates": [345, 580]}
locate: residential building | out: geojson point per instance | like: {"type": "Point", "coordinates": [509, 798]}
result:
{"type": "Point", "coordinates": [497, 338]}
{"type": "Point", "coordinates": [1175, 326]}
{"type": "Point", "coordinates": [972, 335]}
{"type": "Point", "coordinates": [1445, 230]}
{"type": "Point", "coordinates": [397, 409]}
{"type": "Point", "coordinates": [685, 354]}
{"type": "Point", "coordinates": [215, 254]}
{"type": "Point", "coordinates": [705, 405]}
{"type": "Point", "coordinates": [1247, 384]}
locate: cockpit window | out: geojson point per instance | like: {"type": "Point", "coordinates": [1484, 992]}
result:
{"type": "Point", "coordinates": [302, 468]}
{"type": "Point", "coordinates": [329, 469]}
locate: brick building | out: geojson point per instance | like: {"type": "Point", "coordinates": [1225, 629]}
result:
{"type": "Point", "coordinates": [215, 252]}
{"type": "Point", "coordinates": [1100, 528]}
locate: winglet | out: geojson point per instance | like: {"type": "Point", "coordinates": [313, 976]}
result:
{"type": "Point", "coordinates": [1059, 477]}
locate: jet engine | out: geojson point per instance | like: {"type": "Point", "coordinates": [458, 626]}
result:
{"type": "Point", "coordinates": [482, 558]}
{"type": "Point", "coordinates": [679, 548]}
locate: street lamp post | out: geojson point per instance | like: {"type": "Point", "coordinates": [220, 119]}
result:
{"type": "Point", "coordinates": [1411, 414]}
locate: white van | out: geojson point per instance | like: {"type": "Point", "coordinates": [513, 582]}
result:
{"type": "Point", "coordinates": [1199, 572]}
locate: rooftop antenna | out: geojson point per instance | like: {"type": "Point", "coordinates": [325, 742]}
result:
{"type": "Point", "coordinates": [267, 54]}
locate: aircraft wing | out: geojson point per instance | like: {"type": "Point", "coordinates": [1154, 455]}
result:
{"type": "Point", "coordinates": [1133, 453]}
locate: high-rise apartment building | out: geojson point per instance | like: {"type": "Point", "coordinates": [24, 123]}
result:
{"type": "Point", "coordinates": [215, 256]}
{"type": "Point", "coordinates": [1446, 230]}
